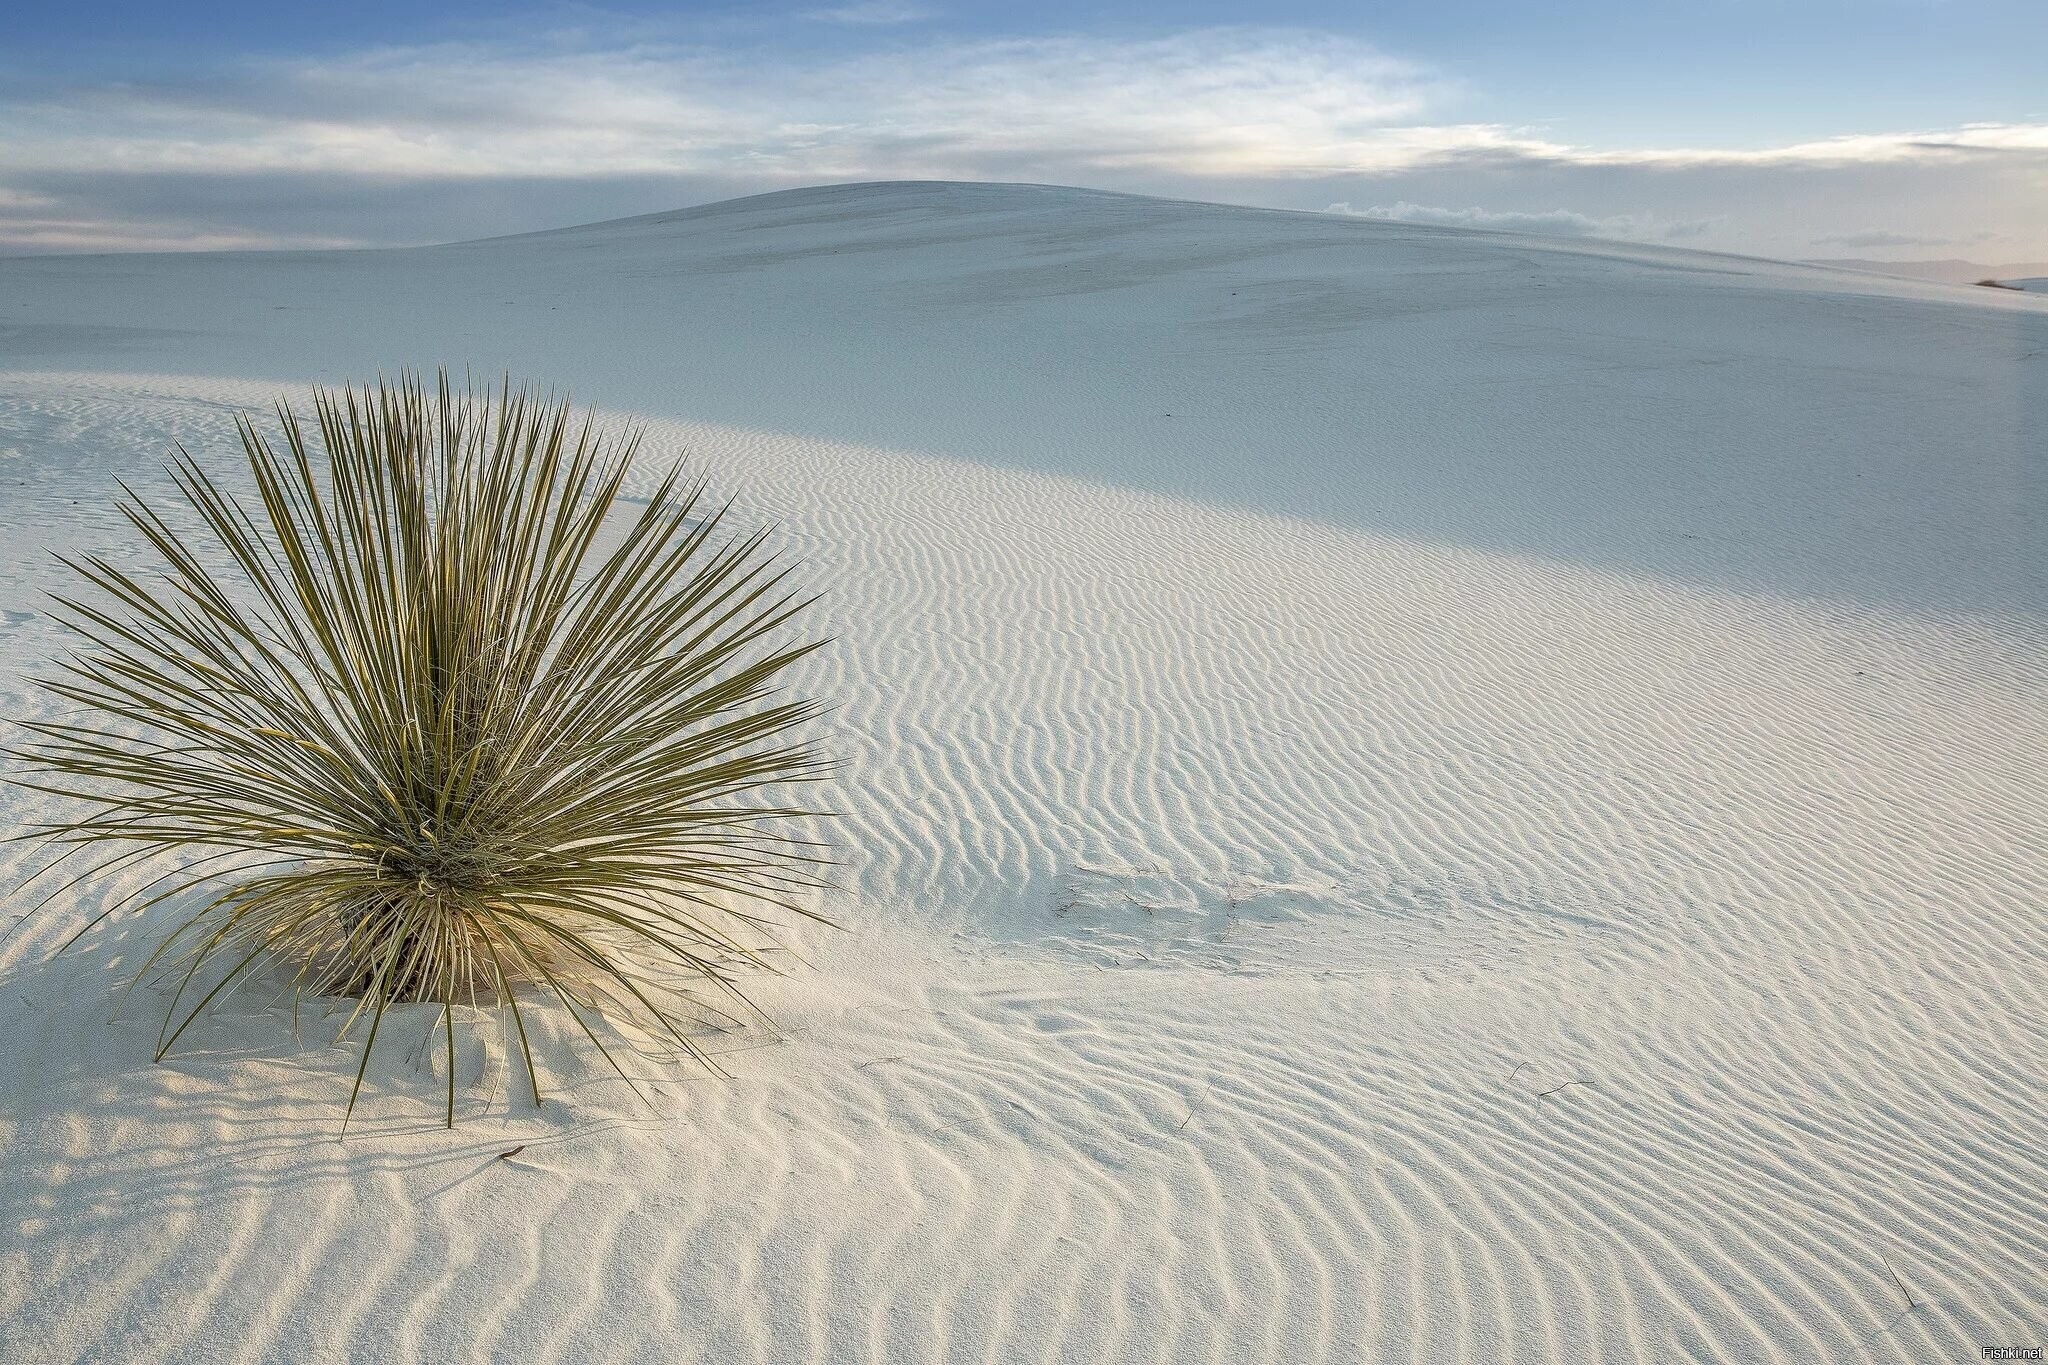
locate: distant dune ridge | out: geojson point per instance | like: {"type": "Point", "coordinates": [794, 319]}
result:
{"type": "Point", "coordinates": [1945, 272]}
{"type": "Point", "coordinates": [1411, 794]}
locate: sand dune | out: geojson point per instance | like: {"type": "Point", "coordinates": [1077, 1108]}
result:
{"type": "Point", "coordinates": [1413, 795]}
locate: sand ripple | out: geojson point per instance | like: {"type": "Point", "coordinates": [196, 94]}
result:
{"type": "Point", "coordinates": [1273, 942]}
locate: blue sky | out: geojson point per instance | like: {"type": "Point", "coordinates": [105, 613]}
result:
{"type": "Point", "coordinates": [1896, 129]}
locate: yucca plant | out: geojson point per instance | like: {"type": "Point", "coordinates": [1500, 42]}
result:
{"type": "Point", "coordinates": [424, 720]}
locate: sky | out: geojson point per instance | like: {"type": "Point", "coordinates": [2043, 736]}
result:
{"type": "Point", "coordinates": [1875, 129]}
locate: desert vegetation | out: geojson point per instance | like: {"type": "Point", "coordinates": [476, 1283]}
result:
{"type": "Point", "coordinates": [428, 712]}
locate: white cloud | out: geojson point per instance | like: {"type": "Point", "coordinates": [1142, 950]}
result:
{"type": "Point", "coordinates": [1214, 102]}
{"type": "Point", "coordinates": [875, 12]}
{"type": "Point", "coordinates": [91, 235]}
{"type": "Point", "coordinates": [1210, 102]}
{"type": "Point", "coordinates": [1553, 222]}
{"type": "Point", "coordinates": [1262, 115]}
{"type": "Point", "coordinates": [1848, 150]}
{"type": "Point", "coordinates": [1881, 239]}
{"type": "Point", "coordinates": [1557, 222]}
{"type": "Point", "coordinates": [39, 222]}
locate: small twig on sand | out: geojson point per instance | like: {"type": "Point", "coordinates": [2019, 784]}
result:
{"type": "Point", "coordinates": [875, 1061]}
{"type": "Point", "coordinates": [1194, 1106]}
{"type": "Point", "coordinates": [511, 1152]}
{"type": "Point", "coordinates": [1911, 1303]}
{"type": "Point", "coordinates": [1566, 1086]}
{"type": "Point", "coordinates": [1516, 1072]}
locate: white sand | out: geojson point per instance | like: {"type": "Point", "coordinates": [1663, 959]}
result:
{"type": "Point", "coordinates": [1312, 686]}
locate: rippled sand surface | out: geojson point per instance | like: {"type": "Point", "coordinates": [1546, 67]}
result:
{"type": "Point", "coordinates": [1411, 795]}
